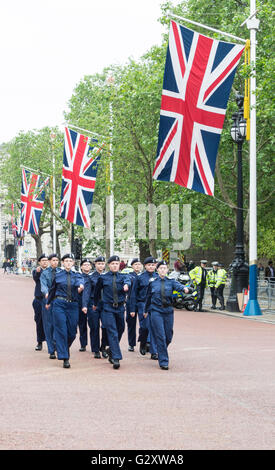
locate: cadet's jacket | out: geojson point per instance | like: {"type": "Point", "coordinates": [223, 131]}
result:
{"type": "Point", "coordinates": [105, 283]}
{"type": "Point", "coordinates": [196, 275]}
{"type": "Point", "coordinates": [139, 289]}
{"type": "Point", "coordinates": [154, 297]}
{"type": "Point", "coordinates": [212, 277]}
{"type": "Point", "coordinates": [36, 277]}
{"type": "Point", "coordinates": [221, 277]}
{"type": "Point", "coordinates": [60, 285]}
{"type": "Point", "coordinates": [89, 288]}
{"type": "Point", "coordinates": [46, 279]}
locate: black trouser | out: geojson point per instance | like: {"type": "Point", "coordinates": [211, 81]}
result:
{"type": "Point", "coordinates": [200, 290]}
{"type": "Point", "coordinates": [213, 296]}
{"type": "Point", "coordinates": [219, 293]}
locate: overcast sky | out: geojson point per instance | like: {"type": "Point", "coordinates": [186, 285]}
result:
{"type": "Point", "coordinates": [47, 46]}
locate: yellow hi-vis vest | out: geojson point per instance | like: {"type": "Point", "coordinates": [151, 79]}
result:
{"type": "Point", "coordinates": [221, 277]}
{"type": "Point", "coordinates": [196, 275]}
{"type": "Point", "coordinates": [212, 277]}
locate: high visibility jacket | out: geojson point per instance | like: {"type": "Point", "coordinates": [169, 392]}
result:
{"type": "Point", "coordinates": [221, 277]}
{"type": "Point", "coordinates": [212, 277]}
{"type": "Point", "coordinates": [196, 275]}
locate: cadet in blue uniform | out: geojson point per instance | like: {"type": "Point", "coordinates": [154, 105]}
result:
{"type": "Point", "coordinates": [159, 301]}
{"type": "Point", "coordinates": [114, 286]}
{"type": "Point", "coordinates": [137, 302]}
{"type": "Point", "coordinates": [131, 317]}
{"type": "Point", "coordinates": [64, 294]}
{"type": "Point", "coordinates": [46, 279]}
{"type": "Point", "coordinates": [94, 316]}
{"type": "Point", "coordinates": [85, 267]}
{"type": "Point", "coordinates": [37, 301]}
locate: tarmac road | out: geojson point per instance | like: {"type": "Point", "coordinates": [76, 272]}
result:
{"type": "Point", "coordinates": [219, 392]}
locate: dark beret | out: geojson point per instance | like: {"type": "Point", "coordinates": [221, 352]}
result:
{"type": "Point", "coordinates": [53, 255]}
{"type": "Point", "coordinates": [135, 260]}
{"type": "Point", "coordinates": [99, 258]}
{"type": "Point", "coordinates": [68, 255]}
{"type": "Point", "coordinates": [160, 263]}
{"type": "Point", "coordinates": [113, 258]}
{"type": "Point", "coordinates": [150, 259]}
{"type": "Point", "coordinates": [85, 260]}
{"type": "Point", "coordinates": [42, 256]}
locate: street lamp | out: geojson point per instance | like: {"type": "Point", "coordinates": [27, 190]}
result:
{"type": "Point", "coordinates": [5, 228]}
{"type": "Point", "coordinates": [238, 267]}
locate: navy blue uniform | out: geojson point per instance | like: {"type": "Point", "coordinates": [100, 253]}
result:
{"type": "Point", "coordinates": [82, 317]}
{"type": "Point", "coordinates": [137, 302]}
{"type": "Point", "coordinates": [113, 309]}
{"type": "Point", "coordinates": [37, 306]}
{"type": "Point", "coordinates": [94, 316]}
{"type": "Point", "coordinates": [131, 321]}
{"type": "Point", "coordinates": [46, 279]}
{"type": "Point", "coordinates": [65, 309]}
{"type": "Point", "coordinates": [159, 301]}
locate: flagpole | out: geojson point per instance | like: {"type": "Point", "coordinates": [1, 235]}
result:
{"type": "Point", "coordinates": [110, 81]}
{"type": "Point", "coordinates": [206, 27]}
{"type": "Point", "coordinates": [53, 180]}
{"type": "Point", "coordinates": [253, 307]}
{"type": "Point", "coordinates": [84, 130]}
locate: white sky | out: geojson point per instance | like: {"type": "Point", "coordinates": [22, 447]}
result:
{"type": "Point", "coordinates": [47, 46]}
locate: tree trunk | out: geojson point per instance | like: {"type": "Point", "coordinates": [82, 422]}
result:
{"type": "Point", "coordinates": [144, 250]}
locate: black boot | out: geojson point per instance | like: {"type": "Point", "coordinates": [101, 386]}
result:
{"type": "Point", "coordinates": [38, 347]}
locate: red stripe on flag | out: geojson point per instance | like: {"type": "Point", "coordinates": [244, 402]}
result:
{"type": "Point", "coordinates": [202, 174]}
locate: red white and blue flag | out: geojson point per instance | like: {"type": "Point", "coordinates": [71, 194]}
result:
{"type": "Point", "coordinates": [80, 162]}
{"type": "Point", "coordinates": [32, 200]}
{"type": "Point", "coordinates": [199, 73]}
{"type": "Point", "coordinates": [17, 230]}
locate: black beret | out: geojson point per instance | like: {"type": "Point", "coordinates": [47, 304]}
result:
{"type": "Point", "coordinates": [85, 260]}
{"type": "Point", "coordinates": [113, 258]}
{"type": "Point", "coordinates": [160, 263]}
{"type": "Point", "coordinates": [68, 255]}
{"type": "Point", "coordinates": [99, 258]}
{"type": "Point", "coordinates": [150, 259]}
{"type": "Point", "coordinates": [53, 255]}
{"type": "Point", "coordinates": [42, 256]}
{"type": "Point", "coordinates": [135, 260]}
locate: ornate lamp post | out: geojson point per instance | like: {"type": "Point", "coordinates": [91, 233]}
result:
{"type": "Point", "coordinates": [239, 268]}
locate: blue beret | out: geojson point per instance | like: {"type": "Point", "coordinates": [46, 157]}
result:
{"type": "Point", "coordinates": [99, 258]}
{"type": "Point", "coordinates": [85, 260]}
{"type": "Point", "coordinates": [160, 263]}
{"type": "Point", "coordinates": [53, 255]}
{"type": "Point", "coordinates": [135, 260]}
{"type": "Point", "coordinates": [68, 255]}
{"type": "Point", "coordinates": [113, 258]}
{"type": "Point", "coordinates": [150, 259]}
{"type": "Point", "coordinates": [42, 256]}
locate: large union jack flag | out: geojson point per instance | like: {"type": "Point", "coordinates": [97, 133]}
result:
{"type": "Point", "coordinates": [32, 200]}
{"type": "Point", "coordinates": [199, 73]}
{"type": "Point", "coordinates": [80, 162]}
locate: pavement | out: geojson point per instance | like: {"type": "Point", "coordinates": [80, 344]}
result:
{"type": "Point", "coordinates": [218, 393]}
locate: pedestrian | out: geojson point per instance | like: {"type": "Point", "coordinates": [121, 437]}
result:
{"type": "Point", "coordinates": [159, 303]}
{"type": "Point", "coordinates": [46, 280]}
{"type": "Point", "coordinates": [95, 316]}
{"type": "Point", "coordinates": [220, 284]}
{"type": "Point", "coordinates": [199, 276]}
{"type": "Point", "coordinates": [114, 286]}
{"type": "Point", "coordinates": [131, 317]}
{"type": "Point", "coordinates": [212, 278]}
{"type": "Point", "coordinates": [64, 295]}
{"type": "Point", "coordinates": [38, 299]}
{"type": "Point", "coordinates": [137, 302]}
{"type": "Point", "coordinates": [260, 271]}
{"type": "Point", "coordinates": [85, 267]}
{"type": "Point", "coordinates": [4, 266]}
{"type": "Point", "coordinates": [270, 276]}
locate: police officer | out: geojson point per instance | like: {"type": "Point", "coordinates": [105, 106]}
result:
{"type": "Point", "coordinates": [131, 317]}
{"type": "Point", "coordinates": [159, 301]}
{"type": "Point", "coordinates": [212, 277]}
{"type": "Point", "coordinates": [64, 294]}
{"type": "Point", "coordinates": [94, 316]}
{"type": "Point", "coordinates": [37, 301]}
{"type": "Point", "coordinates": [114, 286]}
{"type": "Point", "coordinates": [46, 279]}
{"type": "Point", "coordinates": [85, 267]}
{"type": "Point", "coordinates": [220, 284]}
{"type": "Point", "coordinates": [199, 277]}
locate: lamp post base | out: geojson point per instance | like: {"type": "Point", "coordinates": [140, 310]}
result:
{"type": "Point", "coordinates": [252, 308]}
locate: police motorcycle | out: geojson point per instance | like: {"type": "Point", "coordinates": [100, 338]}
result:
{"type": "Point", "coordinates": [181, 300]}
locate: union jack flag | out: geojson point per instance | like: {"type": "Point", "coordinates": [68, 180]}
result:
{"type": "Point", "coordinates": [17, 230]}
{"type": "Point", "coordinates": [198, 77]}
{"type": "Point", "coordinates": [80, 162]}
{"type": "Point", "coordinates": [32, 200]}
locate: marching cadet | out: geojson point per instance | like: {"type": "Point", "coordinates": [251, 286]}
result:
{"type": "Point", "coordinates": [85, 267]}
{"type": "Point", "coordinates": [46, 279]}
{"type": "Point", "coordinates": [199, 277]}
{"type": "Point", "coordinates": [131, 317]}
{"type": "Point", "coordinates": [37, 301]}
{"type": "Point", "coordinates": [64, 291]}
{"type": "Point", "coordinates": [220, 283]}
{"type": "Point", "coordinates": [159, 302]}
{"type": "Point", "coordinates": [137, 302]}
{"type": "Point", "coordinates": [212, 277]}
{"type": "Point", "coordinates": [114, 286]}
{"type": "Point", "coordinates": [94, 316]}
